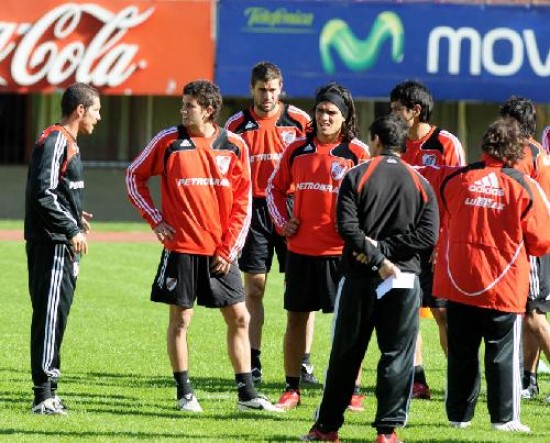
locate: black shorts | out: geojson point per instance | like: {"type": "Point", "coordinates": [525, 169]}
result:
{"type": "Point", "coordinates": [183, 278]}
{"type": "Point", "coordinates": [539, 284]}
{"type": "Point", "coordinates": [426, 279]}
{"type": "Point", "coordinates": [262, 242]}
{"type": "Point", "coordinates": [311, 282]}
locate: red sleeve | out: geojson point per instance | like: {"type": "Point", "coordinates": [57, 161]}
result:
{"type": "Point", "coordinates": [535, 225]}
{"type": "Point", "coordinates": [277, 190]}
{"type": "Point", "coordinates": [239, 219]}
{"type": "Point", "coordinates": [148, 163]}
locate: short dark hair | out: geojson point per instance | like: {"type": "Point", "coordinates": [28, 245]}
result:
{"type": "Point", "coordinates": [411, 93]}
{"type": "Point", "coordinates": [349, 128]}
{"type": "Point", "coordinates": [265, 71]}
{"type": "Point", "coordinates": [523, 110]}
{"type": "Point", "coordinates": [207, 94]}
{"type": "Point", "coordinates": [504, 140]}
{"type": "Point", "coordinates": [77, 94]}
{"type": "Point", "coordinates": [392, 131]}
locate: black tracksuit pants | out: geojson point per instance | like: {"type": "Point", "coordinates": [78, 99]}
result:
{"type": "Point", "coordinates": [52, 278]}
{"type": "Point", "coordinates": [501, 334]}
{"type": "Point", "coordinates": [357, 313]}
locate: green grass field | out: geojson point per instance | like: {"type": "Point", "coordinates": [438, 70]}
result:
{"type": "Point", "coordinates": [117, 381]}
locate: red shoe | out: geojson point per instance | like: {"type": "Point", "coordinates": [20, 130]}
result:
{"type": "Point", "coordinates": [422, 391]}
{"type": "Point", "coordinates": [289, 400]}
{"type": "Point", "coordinates": [387, 438]}
{"type": "Point", "coordinates": [356, 403]}
{"type": "Point", "coordinates": [316, 435]}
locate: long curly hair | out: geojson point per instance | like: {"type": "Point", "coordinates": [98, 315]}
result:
{"type": "Point", "coordinates": [504, 140]}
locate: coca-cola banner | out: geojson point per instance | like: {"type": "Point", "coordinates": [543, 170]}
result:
{"type": "Point", "coordinates": [141, 47]}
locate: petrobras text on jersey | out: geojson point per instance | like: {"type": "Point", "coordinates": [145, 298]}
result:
{"type": "Point", "coordinates": [38, 53]}
{"type": "Point", "coordinates": [315, 186]}
{"type": "Point", "coordinates": [204, 181]}
{"type": "Point", "coordinates": [265, 157]}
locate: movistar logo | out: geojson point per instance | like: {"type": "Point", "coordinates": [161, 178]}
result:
{"type": "Point", "coordinates": [356, 54]}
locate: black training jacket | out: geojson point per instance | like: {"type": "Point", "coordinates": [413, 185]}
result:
{"type": "Point", "coordinates": [388, 201]}
{"type": "Point", "coordinates": [53, 197]}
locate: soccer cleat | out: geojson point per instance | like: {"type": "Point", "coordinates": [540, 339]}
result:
{"type": "Point", "coordinates": [512, 426]}
{"type": "Point", "coordinates": [60, 403]}
{"type": "Point", "coordinates": [460, 424]}
{"type": "Point", "coordinates": [530, 392]}
{"type": "Point", "coordinates": [289, 400]}
{"type": "Point", "coordinates": [257, 375]}
{"type": "Point", "coordinates": [387, 438]}
{"type": "Point", "coordinates": [259, 403]}
{"type": "Point", "coordinates": [421, 391]}
{"type": "Point", "coordinates": [315, 434]}
{"type": "Point", "coordinates": [356, 403]}
{"type": "Point", "coordinates": [48, 407]}
{"type": "Point", "coordinates": [543, 368]}
{"type": "Point", "coordinates": [306, 374]}
{"type": "Point", "coordinates": [189, 403]}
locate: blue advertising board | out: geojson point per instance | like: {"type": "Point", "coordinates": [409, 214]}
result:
{"type": "Point", "coordinates": [461, 52]}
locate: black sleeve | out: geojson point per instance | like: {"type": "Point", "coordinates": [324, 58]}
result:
{"type": "Point", "coordinates": [43, 185]}
{"type": "Point", "coordinates": [422, 238]}
{"type": "Point", "coordinates": [348, 221]}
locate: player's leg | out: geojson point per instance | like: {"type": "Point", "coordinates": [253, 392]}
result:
{"type": "Point", "coordinates": [306, 370]}
{"type": "Point", "coordinates": [254, 289]}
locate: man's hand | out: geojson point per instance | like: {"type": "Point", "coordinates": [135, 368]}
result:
{"type": "Point", "coordinates": [219, 266]}
{"type": "Point", "coordinates": [85, 220]}
{"type": "Point", "coordinates": [164, 231]}
{"type": "Point", "coordinates": [433, 258]}
{"type": "Point", "coordinates": [388, 269]}
{"type": "Point", "coordinates": [79, 244]}
{"type": "Point", "coordinates": [291, 227]}
{"type": "Point", "coordinates": [361, 257]}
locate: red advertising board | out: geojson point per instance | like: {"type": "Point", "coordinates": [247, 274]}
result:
{"type": "Point", "coordinates": [140, 47]}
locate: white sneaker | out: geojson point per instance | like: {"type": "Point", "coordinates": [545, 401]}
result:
{"type": "Point", "coordinates": [48, 407]}
{"type": "Point", "coordinates": [189, 403]}
{"type": "Point", "coordinates": [259, 403]}
{"type": "Point", "coordinates": [512, 426]}
{"type": "Point", "coordinates": [547, 399]}
{"type": "Point", "coordinates": [59, 403]}
{"type": "Point", "coordinates": [460, 424]}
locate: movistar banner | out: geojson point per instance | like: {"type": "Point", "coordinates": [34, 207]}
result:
{"type": "Point", "coordinates": [461, 52]}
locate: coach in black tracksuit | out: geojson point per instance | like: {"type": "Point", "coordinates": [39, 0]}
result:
{"type": "Point", "coordinates": [387, 201]}
{"type": "Point", "coordinates": [55, 228]}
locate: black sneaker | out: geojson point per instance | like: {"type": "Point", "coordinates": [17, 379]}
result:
{"type": "Point", "coordinates": [306, 374]}
{"type": "Point", "coordinates": [256, 375]}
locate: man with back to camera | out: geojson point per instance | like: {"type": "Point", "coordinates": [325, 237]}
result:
{"type": "Point", "coordinates": [55, 231]}
{"type": "Point", "coordinates": [206, 202]}
{"type": "Point", "coordinates": [268, 127]}
{"type": "Point", "coordinates": [427, 145]}
{"type": "Point", "coordinates": [387, 213]}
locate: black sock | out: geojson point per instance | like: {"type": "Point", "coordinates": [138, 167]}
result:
{"type": "Point", "coordinates": [255, 358]}
{"type": "Point", "coordinates": [42, 392]}
{"type": "Point", "coordinates": [183, 385]}
{"type": "Point", "coordinates": [357, 390]}
{"type": "Point", "coordinates": [419, 375]}
{"type": "Point", "coordinates": [386, 430]}
{"type": "Point", "coordinates": [292, 383]}
{"type": "Point", "coordinates": [245, 386]}
{"type": "Point", "coordinates": [305, 359]}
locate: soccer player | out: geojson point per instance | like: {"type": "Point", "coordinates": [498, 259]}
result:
{"type": "Point", "coordinates": [426, 145]}
{"type": "Point", "coordinates": [55, 232]}
{"type": "Point", "coordinates": [496, 218]}
{"type": "Point", "coordinates": [268, 127]}
{"type": "Point", "coordinates": [205, 193]}
{"type": "Point", "coordinates": [536, 329]}
{"type": "Point", "coordinates": [314, 166]}
{"type": "Point", "coordinates": [387, 213]}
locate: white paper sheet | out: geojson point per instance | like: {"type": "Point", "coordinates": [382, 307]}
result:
{"type": "Point", "coordinates": [404, 280]}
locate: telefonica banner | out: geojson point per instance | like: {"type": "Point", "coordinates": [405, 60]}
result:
{"type": "Point", "coordinates": [461, 52]}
